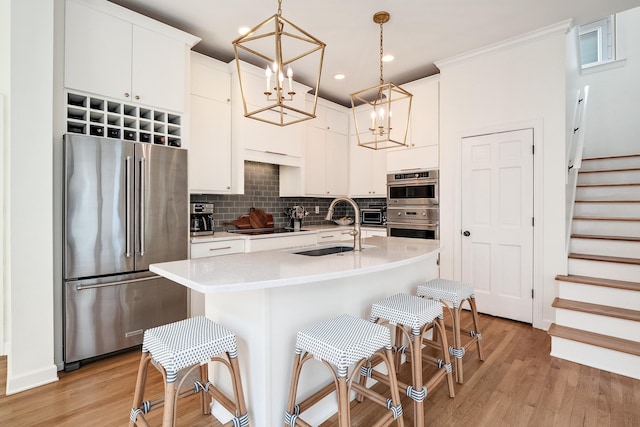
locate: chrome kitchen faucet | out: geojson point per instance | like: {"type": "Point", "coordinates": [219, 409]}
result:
{"type": "Point", "coordinates": [357, 244]}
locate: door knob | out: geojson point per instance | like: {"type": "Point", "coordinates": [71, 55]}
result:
{"type": "Point", "coordinates": [466, 233]}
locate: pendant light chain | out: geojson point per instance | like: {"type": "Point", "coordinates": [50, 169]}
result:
{"type": "Point", "coordinates": [381, 55]}
{"type": "Point", "coordinates": [279, 7]}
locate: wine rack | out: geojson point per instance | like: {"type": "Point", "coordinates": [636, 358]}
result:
{"type": "Point", "coordinates": [91, 115]}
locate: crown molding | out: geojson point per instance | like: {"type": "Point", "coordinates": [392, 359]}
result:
{"type": "Point", "coordinates": [561, 27]}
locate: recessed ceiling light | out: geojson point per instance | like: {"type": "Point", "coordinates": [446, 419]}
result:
{"type": "Point", "coordinates": [387, 58]}
{"type": "Point", "coordinates": [243, 30]}
{"type": "Point", "coordinates": [339, 76]}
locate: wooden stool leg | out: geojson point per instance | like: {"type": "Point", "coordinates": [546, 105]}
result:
{"type": "Point", "coordinates": [344, 405]}
{"type": "Point", "coordinates": [168, 415]}
{"type": "Point", "coordinates": [476, 327]}
{"type": "Point", "coordinates": [457, 343]}
{"type": "Point", "coordinates": [293, 390]}
{"type": "Point", "coordinates": [418, 383]}
{"type": "Point", "coordinates": [398, 344]}
{"type": "Point", "coordinates": [441, 330]}
{"type": "Point", "coordinates": [205, 398]}
{"type": "Point", "coordinates": [141, 381]}
{"type": "Point", "coordinates": [393, 383]}
{"type": "Point", "coordinates": [237, 386]}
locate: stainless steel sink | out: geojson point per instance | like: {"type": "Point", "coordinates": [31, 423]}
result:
{"type": "Point", "coordinates": [325, 250]}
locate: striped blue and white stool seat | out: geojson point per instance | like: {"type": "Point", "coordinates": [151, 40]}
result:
{"type": "Point", "coordinates": [182, 344]}
{"type": "Point", "coordinates": [343, 341]}
{"type": "Point", "coordinates": [407, 310]}
{"type": "Point", "coordinates": [446, 290]}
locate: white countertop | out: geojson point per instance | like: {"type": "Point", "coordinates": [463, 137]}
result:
{"type": "Point", "coordinates": [275, 268]}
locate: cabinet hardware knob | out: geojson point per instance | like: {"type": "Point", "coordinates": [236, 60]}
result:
{"type": "Point", "coordinates": [126, 94]}
{"type": "Point", "coordinates": [137, 97]}
{"type": "Point", "coordinates": [466, 233]}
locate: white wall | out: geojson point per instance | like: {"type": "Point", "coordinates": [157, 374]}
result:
{"type": "Point", "coordinates": [516, 84]}
{"type": "Point", "coordinates": [613, 113]}
{"type": "Point", "coordinates": [28, 221]}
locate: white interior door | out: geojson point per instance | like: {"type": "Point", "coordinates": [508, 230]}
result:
{"type": "Point", "coordinates": [497, 222]}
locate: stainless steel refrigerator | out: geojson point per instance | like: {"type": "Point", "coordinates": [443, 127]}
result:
{"type": "Point", "coordinates": [125, 207]}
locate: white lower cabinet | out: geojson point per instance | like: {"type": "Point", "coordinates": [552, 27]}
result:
{"type": "Point", "coordinates": [334, 235]}
{"type": "Point", "coordinates": [371, 232]}
{"type": "Point", "coordinates": [218, 247]}
{"type": "Point", "coordinates": [207, 249]}
{"type": "Point", "coordinates": [281, 242]}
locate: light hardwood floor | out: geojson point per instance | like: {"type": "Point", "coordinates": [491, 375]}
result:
{"type": "Point", "coordinates": [518, 384]}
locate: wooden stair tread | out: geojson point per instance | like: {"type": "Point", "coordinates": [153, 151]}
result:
{"type": "Point", "coordinates": [600, 310]}
{"type": "Point", "coordinates": [624, 156]}
{"type": "Point", "coordinates": [617, 259]}
{"type": "Point", "coordinates": [612, 170]}
{"type": "Point", "coordinates": [599, 340]}
{"type": "Point", "coordinates": [599, 237]}
{"type": "Point", "coordinates": [598, 281]}
{"type": "Point", "coordinates": [603, 218]}
{"type": "Point", "coordinates": [606, 201]}
{"type": "Point", "coordinates": [632, 184]}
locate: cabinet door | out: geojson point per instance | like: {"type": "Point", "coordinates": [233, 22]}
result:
{"type": "Point", "coordinates": [97, 52]}
{"type": "Point", "coordinates": [336, 164]}
{"type": "Point", "coordinates": [315, 162]}
{"type": "Point", "coordinates": [210, 78]}
{"type": "Point", "coordinates": [158, 70]}
{"type": "Point", "coordinates": [425, 115]}
{"type": "Point", "coordinates": [379, 174]}
{"type": "Point", "coordinates": [360, 160]}
{"type": "Point", "coordinates": [210, 146]}
{"type": "Point", "coordinates": [216, 248]}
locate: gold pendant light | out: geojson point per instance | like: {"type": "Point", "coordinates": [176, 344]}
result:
{"type": "Point", "coordinates": [280, 48]}
{"type": "Point", "coordinates": [381, 113]}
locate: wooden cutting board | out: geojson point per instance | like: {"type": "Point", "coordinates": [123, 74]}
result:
{"type": "Point", "coordinates": [258, 218]}
{"type": "Point", "coordinates": [242, 222]}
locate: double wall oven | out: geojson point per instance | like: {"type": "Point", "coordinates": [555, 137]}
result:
{"type": "Point", "coordinates": [412, 204]}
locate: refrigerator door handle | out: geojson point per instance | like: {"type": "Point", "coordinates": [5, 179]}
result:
{"type": "Point", "coordinates": [142, 203]}
{"type": "Point", "coordinates": [122, 282]}
{"type": "Point", "coordinates": [128, 206]}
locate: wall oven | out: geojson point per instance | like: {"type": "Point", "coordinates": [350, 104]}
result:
{"type": "Point", "coordinates": [412, 205]}
{"type": "Point", "coordinates": [417, 188]}
{"type": "Point", "coordinates": [414, 222]}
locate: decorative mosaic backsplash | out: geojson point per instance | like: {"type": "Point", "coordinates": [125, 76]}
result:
{"type": "Point", "coordinates": [262, 189]}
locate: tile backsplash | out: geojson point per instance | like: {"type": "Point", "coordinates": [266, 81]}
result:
{"type": "Point", "coordinates": [262, 189]}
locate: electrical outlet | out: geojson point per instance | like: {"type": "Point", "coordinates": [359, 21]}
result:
{"type": "Point", "coordinates": [317, 209]}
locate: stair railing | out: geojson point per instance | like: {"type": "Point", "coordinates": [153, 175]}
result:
{"type": "Point", "coordinates": [575, 147]}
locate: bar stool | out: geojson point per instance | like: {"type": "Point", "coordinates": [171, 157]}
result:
{"type": "Point", "coordinates": [177, 350]}
{"type": "Point", "coordinates": [340, 343]}
{"type": "Point", "coordinates": [452, 295]}
{"type": "Point", "coordinates": [413, 317]}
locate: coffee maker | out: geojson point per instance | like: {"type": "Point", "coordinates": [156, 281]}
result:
{"type": "Point", "coordinates": [201, 218]}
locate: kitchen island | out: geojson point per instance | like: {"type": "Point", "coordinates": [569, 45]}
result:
{"type": "Point", "coordinates": [266, 297]}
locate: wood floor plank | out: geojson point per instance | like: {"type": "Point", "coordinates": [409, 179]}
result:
{"type": "Point", "coordinates": [519, 383]}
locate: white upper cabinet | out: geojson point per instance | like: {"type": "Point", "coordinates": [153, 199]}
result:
{"type": "Point", "coordinates": [260, 141]}
{"type": "Point", "coordinates": [210, 113]}
{"type": "Point", "coordinates": [367, 167]}
{"type": "Point", "coordinates": [424, 128]}
{"type": "Point", "coordinates": [326, 151]}
{"type": "Point", "coordinates": [113, 52]}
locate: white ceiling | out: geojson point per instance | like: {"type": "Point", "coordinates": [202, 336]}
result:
{"type": "Point", "coordinates": [419, 32]}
